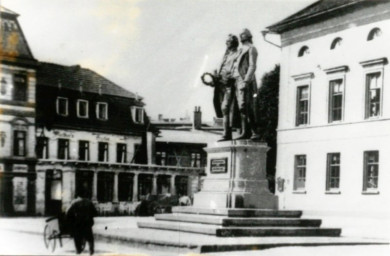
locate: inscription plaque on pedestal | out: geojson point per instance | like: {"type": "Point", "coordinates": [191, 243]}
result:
{"type": "Point", "coordinates": [218, 165]}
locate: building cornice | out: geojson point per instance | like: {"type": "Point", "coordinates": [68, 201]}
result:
{"type": "Point", "coordinates": [303, 76]}
{"type": "Point", "coordinates": [338, 69]}
{"type": "Point", "coordinates": [375, 62]}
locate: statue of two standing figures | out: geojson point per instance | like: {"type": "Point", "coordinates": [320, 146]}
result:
{"type": "Point", "coordinates": [235, 88]}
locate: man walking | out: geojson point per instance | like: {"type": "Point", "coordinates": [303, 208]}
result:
{"type": "Point", "coordinates": [80, 216]}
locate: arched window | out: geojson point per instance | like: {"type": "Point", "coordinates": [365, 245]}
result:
{"type": "Point", "coordinates": [303, 51]}
{"type": "Point", "coordinates": [336, 43]}
{"type": "Point", "coordinates": [374, 33]}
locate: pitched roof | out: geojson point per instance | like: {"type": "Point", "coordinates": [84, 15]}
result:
{"type": "Point", "coordinates": [13, 46]}
{"type": "Point", "coordinates": [8, 11]}
{"type": "Point", "coordinates": [318, 9]}
{"type": "Point", "coordinates": [72, 77]}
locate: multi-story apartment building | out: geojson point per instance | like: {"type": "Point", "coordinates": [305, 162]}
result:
{"type": "Point", "coordinates": [88, 132]}
{"type": "Point", "coordinates": [334, 110]}
{"type": "Point", "coordinates": [17, 118]}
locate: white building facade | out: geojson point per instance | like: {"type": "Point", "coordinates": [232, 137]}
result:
{"type": "Point", "coordinates": [334, 108]}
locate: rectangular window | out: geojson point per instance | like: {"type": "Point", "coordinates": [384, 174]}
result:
{"type": "Point", "coordinates": [63, 149]}
{"type": "Point", "coordinates": [137, 114]}
{"type": "Point", "coordinates": [82, 108]}
{"type": "Point", "coordinates": [62, 106]}
{"type": "Point", "coordinates": [121, 153]}
{"type": "Point", "coordinates": [336, 89]}
{"type": "Point", "coordinates": [302, 105]}
{"type": "Point", "coordinates": [161, 158]}
{"type": "Point", "coordinates": [373, 94]}
{"type": "Point", "coordinates": [19, 143]}
{"type": "Point", "coordinates": [195, 160]}
{"type": "Point", "coordinates": [102, 111]}
{"type": "Point", "coordinates": [139, 154]}
{"type": "Point", "coordinates": [371, 170]}
{"type": "Point", "coordinates": [103, 152]}
{"type": "Point", "coordinates": [300, 173]}
{"type": "Point", "coordinates": [84, 150]}
{"type": "Point", "coordinates": [20, 87]}
{"type": "Point", "coordinates": [333, 172]}
{"type": "Point", "coordinates": [43, 147]}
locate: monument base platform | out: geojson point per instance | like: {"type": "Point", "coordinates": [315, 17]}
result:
{"type": "Point", "coordinates": [236, 177]}
{"type": "Point", "coordinates": [238, 222]}
{"type": "Point", "coordinates": [215, 200]}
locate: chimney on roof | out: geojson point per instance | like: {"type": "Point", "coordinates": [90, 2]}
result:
{"type": "Point", "coordinates": [197, 125]}
{"type": "Point", "coordinates": [160, 117]}
{"type": "Point", "coordinates": [81, 87]}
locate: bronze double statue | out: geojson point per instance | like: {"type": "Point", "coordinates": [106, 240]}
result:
{"type": "Point", "coordinates": [235, 88]}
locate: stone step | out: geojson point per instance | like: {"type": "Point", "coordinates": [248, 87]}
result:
{"type": "Point", "coordinates": [237, 221]}
{"type": "Point", "coordinates": [239, 231]}
{"type": "Point", "coordinates": [230, 212]}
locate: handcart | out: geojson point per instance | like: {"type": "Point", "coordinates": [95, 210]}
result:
{"type": "Point", "coordinates": [56, 228]}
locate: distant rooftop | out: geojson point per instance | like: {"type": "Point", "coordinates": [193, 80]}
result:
{"type": "Point", "coordinates": [8, 11]}
{"type": "Point", "coordinates": [317, 10]}
{"type": "Point", "coordinates": [14, 46]}
{"type": "Point", "coordinates": [76, 78]}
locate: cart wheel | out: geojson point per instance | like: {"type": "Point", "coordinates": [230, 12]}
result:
{"type": "Point", "coordinates": [52, 240]}
{"type": "Point", "coordinates": [46, 235]}
{"type": "Point", "coordinates": [49, 237]}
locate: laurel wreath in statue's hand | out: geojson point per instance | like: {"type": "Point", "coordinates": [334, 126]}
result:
{"type": "Point", "coordinates": [208, 79]}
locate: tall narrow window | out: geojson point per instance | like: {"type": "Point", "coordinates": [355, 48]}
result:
{"type": "Point", "coordinates": [333, 172]}
{"type": "Point", "coordinates": [82, 108]}
{"type": "Point", "coordinates": [103, 152]}
{"type": "Point", "coordinates": [43, 147]}
{"type": "Point", "coordinates": [300, 173]}
{"type": "Point", "coordinates": [121, 153]}
{"type": "Point", "coordinates": [102, 111]}
{"type": "Point", "coordinates": [84, 150]}
{"type": "Point", "coordinates": [302, 105]}
{"type": "Point", "coordinates": [62, 106]}
{"type": "Point", "coordinates": [20, 87]}
{"type": "Point", "coordinates": [137, 114]}
{"type": "Point", "coordinates": [373, 94]}
{"type": "Point", "coordinates": [19, 143]}
{"type": "Point", "coordinates": [371, 170]}
{"type": "Point", "coordinates": [63, 149]}
{"type": "Point", "coordinates": [336, 89]}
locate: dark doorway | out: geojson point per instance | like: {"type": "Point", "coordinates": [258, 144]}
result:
{"type": "Point", "coordinates": [163, 184]}
{"type": "Point", "coordinates": [145, 183]}
{"type": "Point", "coordinates": [181, 185]}
{"type": "Point", "coordinates": [53, 192]}
{"type": "Point", "coordinates": [125, 189]}
{"type": "Point", "coordinates": [84, 183]}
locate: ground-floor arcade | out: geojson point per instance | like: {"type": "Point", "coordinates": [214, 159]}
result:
{"type": "Point", "coordinates": [113, 188]}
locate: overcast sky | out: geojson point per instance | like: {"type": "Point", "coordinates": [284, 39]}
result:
{"type": "Point", "coordinates": [156, 48]}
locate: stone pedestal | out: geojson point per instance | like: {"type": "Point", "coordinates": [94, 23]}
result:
{"type": "Point", "coordinates": [236, 177]}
